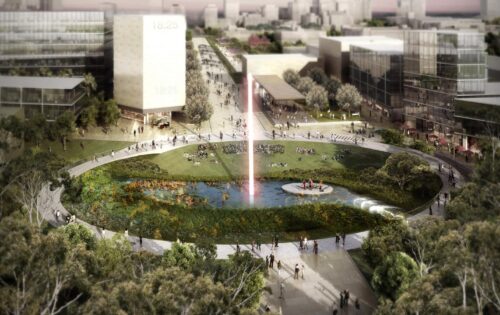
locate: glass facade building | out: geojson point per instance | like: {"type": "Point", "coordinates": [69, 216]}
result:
{"type": "Point", "coordinates": [56, 44]}
{"type": "Point", "coordinates": [41, 95]}
{"type": "Point", "coordinates": [438, 67]}
{"type": "Point", "coordinates": [376, 70]}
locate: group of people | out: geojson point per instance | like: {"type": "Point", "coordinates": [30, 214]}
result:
{"type": "Point", "coordinates": [304, 245]}
{"type": "Point", "coordinates": [308, 151]}
{"type": "Point", "coordinates": [309, 184]}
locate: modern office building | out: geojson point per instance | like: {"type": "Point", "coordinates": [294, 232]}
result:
{"type": "Point", "coordinates": [440, 66]}
{"type": "Point", "coordinates": [40, 95]}
{"type": "Point", "coordinates": [150, 64]}
{"type": "Point", "coordinates": [334, 53]}
{"type": "Point", "coordinates": [210, 16]}
{"type": "Point", "coordinates": [490, 9]}
{"type": "Point", "coordinates": [231, 9]}
{"type": "Point", "coordinates": [56, 43]}
{"type": "Point", "coordinates": [477, 117]}
{"type": "Point", "coordinates": [376, 70]}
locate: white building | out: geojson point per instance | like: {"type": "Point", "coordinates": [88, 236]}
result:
{"type": "Point", "coordinates": [296, 9]}
{"type": "Point", "coordinates": [150, 63]}
{"type": "Point", "coordinates": [411, 9]}
{"type": "Point", "coordinates": [231, 9]}
{"type": "Point", "coordinates": [270, 12]}
{"type": "Point", "coordinates": [254, 19]}
{"type": "Point", "coordinates": [490, 9]}
{"type": "Point", "coordinates": [210, 16]}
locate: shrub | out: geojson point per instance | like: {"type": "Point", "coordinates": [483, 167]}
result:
{"type": "Point", "coordinates": [391, 136]}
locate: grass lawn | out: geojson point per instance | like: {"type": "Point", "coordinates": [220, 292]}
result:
{"type": "Point", "coordinates": [74, 152]}
{"type": "Point", "coordinates": [234, 165]}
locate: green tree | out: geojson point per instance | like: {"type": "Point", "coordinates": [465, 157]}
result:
{"type": "Point", "coordinates": [391, 136]}
{"type": "Point", "coordinates": [291, 77]}
{"type": "Point", "coordinates": [394, 275]}
{"type": "Point", "coordinates": [109, 113]}
{"type": "Point", "coordinates": [79, 234]}
{"type": "Point", "coordinates": [305, 84]}
{"type": "Point", "coordinates": [318, 75]}
{"type": "Point", "coordinates": [88, 116]}
{"type": "Point", "coordinates": [403, 167]}
{"type": "Point", "coordinates": [385, 239]}
{"type": "Point", "coordinates": [180, 255]}
{"type": "Point", "coordinates": [332, 86]}
{"type": "Point", "coordinates": [65, 126]}
{"type": "Point", "coordinates": [198, 109]}
{"type": "Point", "coordinates": [89, 84]}
{"type": "Point", "coordinates": [317, 98]}
{"type": "Point", "coordinates": [348, 98]}
{"type": "Point", "coordinates": [35, 129]}
{"type": "Point", "coordinates": [474, 202]}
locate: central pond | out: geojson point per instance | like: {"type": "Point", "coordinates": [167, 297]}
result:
{"type": "Point", "coordinates": [269, 194]}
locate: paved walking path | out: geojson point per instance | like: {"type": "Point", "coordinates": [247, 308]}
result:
{"type": "Point", "coordinates": [331, 271]}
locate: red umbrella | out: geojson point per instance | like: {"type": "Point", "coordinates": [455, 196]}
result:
{"type": "Point", "coordinates": [443, 141]}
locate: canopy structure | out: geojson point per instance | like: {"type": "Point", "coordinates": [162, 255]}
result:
{"type": "Point", "coordinates": [278, 89]}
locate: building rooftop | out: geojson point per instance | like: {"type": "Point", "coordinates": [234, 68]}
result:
{"type": "Point", "coordinates": [57, 83]}
{"type": "Point", "coordinates": [377, 41]}
{"type": "Point", "coordinates": [278, 88]}
{"type": "Point", "coordinates": [395, 46]}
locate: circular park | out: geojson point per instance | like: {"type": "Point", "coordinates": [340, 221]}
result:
{"type": "Point", "coordinates": [200, 191]}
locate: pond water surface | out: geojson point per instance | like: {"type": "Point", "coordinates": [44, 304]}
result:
{"type": "Point", "coordinates": [269, 194]}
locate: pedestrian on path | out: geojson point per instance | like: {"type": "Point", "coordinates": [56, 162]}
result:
{"type": "Point", "coordinates": [282, 290]}
{"type": "Point", "coordinates": [296, 274]}
{"type": "Point", "coordinates": [267, 261]}
{"type": "Point", "coordinates": [315, 247]}
{"type": "Point", "coordinates": [430, 209]}
{"type": "Point", "coordinates": [335, 308]}
{"type": "Point", "coordinates": [271, 260]}
{"type": "Point", "coordinates": [58, 214]}
{"type": "Point", "coordinates": [343, 239]}
{"type": "Point", "coordinates": [112, 153]}
{"type": "Point", "coordinates": [302, 271]}
{"type": "Point", "coordinates": [140, 241]}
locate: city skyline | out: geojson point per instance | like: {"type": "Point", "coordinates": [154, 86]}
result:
{"type": "Point", "coordinates": [247, 5]}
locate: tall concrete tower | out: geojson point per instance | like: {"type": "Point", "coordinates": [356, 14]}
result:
{"type": "Point", "coordinates": [490, 9]}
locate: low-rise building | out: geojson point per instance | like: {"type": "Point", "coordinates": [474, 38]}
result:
{"type": "Point", "coordinates": [50, 96]}
{"type": "Point", "coordinates": [275, 64]}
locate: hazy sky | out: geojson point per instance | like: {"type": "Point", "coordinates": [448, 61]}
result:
{"type": "Point", "coordinates": [378, 5]}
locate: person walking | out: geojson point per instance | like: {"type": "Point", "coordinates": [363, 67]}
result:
{"type": "Point", "coordinates": [267, 261]}
{"type": "Point", "coordinates": [315, 247]}
{"type": "Point", "coordinates": [282, 290]}
{"type": "Point", "coordinates": [346, 297]}
{"type": "Point", "coordinates": [343, 239]}
{"type": "Point", "coordinates": [271, 260]}
{"type": "Point", "coordinates": [276, 241]}
{"type": "Point", "coordinates": [335, 308]}
{"type": "Point", "coordinates": [305, 243]}
{"type": "Point", "coordinates": [112, 153]}
{"type": "Point", "coordinates": [58, 214]}
{"type": "Point", "coordinates": [140, 241]}
{"type": "Point", "coordinates": [296, 274]}
{"type": "Point", "coordinates": [430, 209]}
